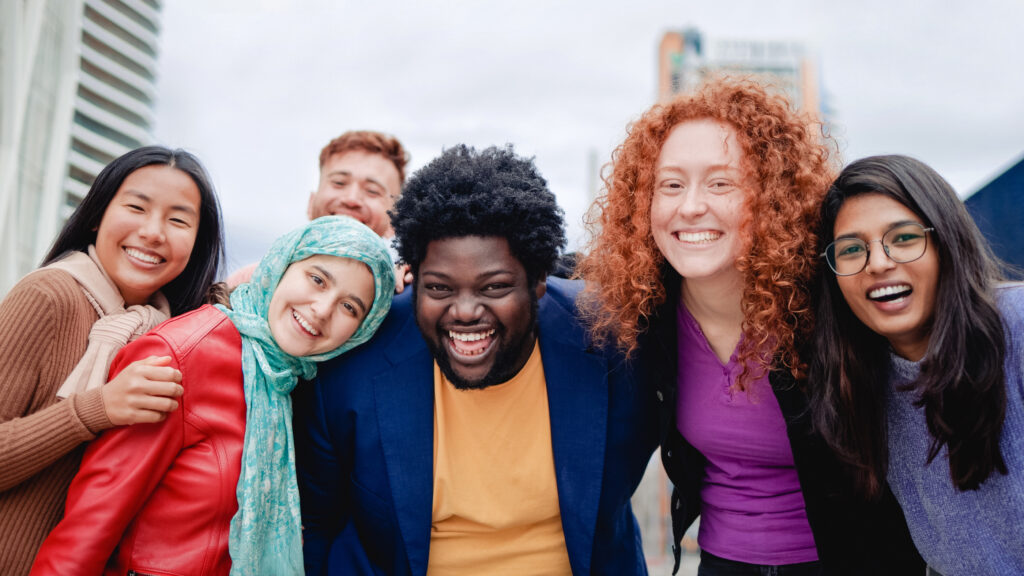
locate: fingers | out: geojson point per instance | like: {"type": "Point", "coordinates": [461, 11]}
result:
{"type": "Point", "coordinates": [403, 277]}
{"type": "Point", "coordinates": [145, 391]}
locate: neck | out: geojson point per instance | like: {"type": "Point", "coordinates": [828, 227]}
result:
{"type": "Point", "coordinates": [715, 305]}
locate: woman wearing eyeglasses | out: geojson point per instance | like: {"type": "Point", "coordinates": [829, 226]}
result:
{"type": "Point", "coordinates": [917, 362]}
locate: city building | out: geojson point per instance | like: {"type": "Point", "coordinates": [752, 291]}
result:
{"type": "Point", "coordinates": [996, 209]}
{"type": "Point", "coordinates": [685, 58]}
{"type": "Point", "coordinates": [77, 88]}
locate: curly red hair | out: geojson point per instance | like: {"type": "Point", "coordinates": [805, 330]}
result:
{"type": "Point", "coordinates": [787, 162]}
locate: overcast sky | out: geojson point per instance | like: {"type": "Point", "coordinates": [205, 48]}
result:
{"type": "Point", "coordinates": [256, 88]}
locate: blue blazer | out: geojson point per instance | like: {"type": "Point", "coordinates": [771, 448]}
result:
{"type": "Point", "coordinates": [364, 440]}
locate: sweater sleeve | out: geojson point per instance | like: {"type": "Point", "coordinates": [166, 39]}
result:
{"type": "Point", "coordinates": [119, 472]}
{"type": "Point", "coordinates": [33, 317]}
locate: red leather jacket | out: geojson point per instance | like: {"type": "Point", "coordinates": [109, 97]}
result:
{"type": "Point", "coordinates": [158, 498]}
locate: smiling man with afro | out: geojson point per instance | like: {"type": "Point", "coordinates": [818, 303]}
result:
{"type": "Point", "coordinates": [480, 431]}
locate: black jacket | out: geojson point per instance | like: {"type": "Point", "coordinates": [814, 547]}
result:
{"type": "Point", "coordinates": [853, 537]}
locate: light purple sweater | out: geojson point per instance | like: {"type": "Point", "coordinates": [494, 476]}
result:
{"type": "Point", "coordinates": [975, 532]}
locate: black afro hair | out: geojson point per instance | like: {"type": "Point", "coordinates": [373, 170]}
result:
{"type": "Point", "coordinates": [493, 192]}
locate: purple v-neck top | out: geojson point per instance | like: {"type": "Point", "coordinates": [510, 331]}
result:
{"type": "Point", "coordinates": [752, 509]}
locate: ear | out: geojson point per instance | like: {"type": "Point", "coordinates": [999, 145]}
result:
{"type": "Point", "coordinates": [542, 286]}
{"type": "Point", "coordinates": [309, 205]}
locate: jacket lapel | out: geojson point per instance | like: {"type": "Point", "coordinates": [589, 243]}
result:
{"type": "Point", "coordinates": [404, 398]}
{"type": "Point", "coordinates": [577, 383]}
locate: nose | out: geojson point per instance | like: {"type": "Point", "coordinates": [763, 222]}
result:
{"type": "Point", "coordinates": [349, 196]}
{"type": "Point", "coordinates": [321, 307]}
{"type": "Point", "coordinates": [466, 309]}
{"type": "Point", "coordinates": [878, 260]}
{"type": "Point", "coordinates": [151, 229]}
{"type": "Point", "coordinates": [692, 203]}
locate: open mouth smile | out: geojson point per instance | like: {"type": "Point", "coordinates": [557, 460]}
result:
{"type": "Point", "coordinates": [145, 257]}
{"type": "Point", "coordinates": [306, 326]}
{"type": "Point", "coordinates": [703, 237]}
{"type": "Point", "coordinates": [471, 344]}
{"type": "Point", "coordinates": [893, 293]}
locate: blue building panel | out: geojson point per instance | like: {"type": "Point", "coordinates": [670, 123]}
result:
{"type": "Point", "coordinates": [998, 209]}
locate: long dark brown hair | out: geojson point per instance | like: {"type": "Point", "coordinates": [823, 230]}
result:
{"type": "Point", "coordinates": [961, 384]}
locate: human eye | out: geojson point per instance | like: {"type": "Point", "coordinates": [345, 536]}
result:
{"type": "Point", "coordinates": [374, 191]}
{"type": "Point", "coordinates": [135, 207]}
{"type": "Point", "coordinates": [316, 279]}
{"type": "Point", "coordinates": [181, 222]}
{"type": "Point", "coordinates": [850, 249]}
{"type": "Point", "coordinates": [905, 235]}
{"type": "Point", "coordinates": [497, 289]}
{"type": "Point", "coordinates": [436, 289]}
{"type": "Point", "coordinates": [350, 309]}
{"type": "Point", "coordinates": [720, 186]}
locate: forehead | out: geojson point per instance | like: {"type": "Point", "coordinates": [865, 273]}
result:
{"type": "Point", "coordinates": [163, 184]}
{"type": "Point", "coordinates": [470, 257]}
{"type": "Point", "coordinates": [701, 141]}
{"type": "Point", "coordinates": [872, 213]}
{"type": "Point", "coordinates": [336, 265]}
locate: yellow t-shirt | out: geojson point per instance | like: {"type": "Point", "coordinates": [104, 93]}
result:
{"type": "Point", "coordinates": [495, 495]}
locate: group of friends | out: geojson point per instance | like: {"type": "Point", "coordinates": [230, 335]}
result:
{"type": "Point", "coordinates": [829, 360]}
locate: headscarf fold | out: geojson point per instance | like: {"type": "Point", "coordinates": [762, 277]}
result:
{"type": "Point", "coordinates": [116, 326]}
{"type": "Point", "coordinates": [266, 532]}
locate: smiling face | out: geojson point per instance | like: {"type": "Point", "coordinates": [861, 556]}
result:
{"type": "Point", "coordinates": [359, 184]}
{"type": "Point", "coordinates": [476, 310]}
{"type": "Point", "coordinates": [319, 304]}
{"type": "Point", "coordinates": [897, 301]}
{"type": "Point", "coordinates": [147, 232]}
{"type": "Point", "coordinates": [697, 207]}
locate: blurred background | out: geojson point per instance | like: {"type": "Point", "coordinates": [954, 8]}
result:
{"type": "Point", "coordinates": [256, 88]}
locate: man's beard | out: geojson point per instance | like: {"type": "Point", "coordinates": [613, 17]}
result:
{"type": "Point", "coordinates": [505, 361]}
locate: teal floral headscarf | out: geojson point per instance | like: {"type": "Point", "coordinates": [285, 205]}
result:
{"type": "Point", "coordinates": [266, 532]}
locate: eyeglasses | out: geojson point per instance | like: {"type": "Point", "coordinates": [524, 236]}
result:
{"type": "Point", "coordinates": [902, 243]}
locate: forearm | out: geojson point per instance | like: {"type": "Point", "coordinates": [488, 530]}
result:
{"type": "Point", "coordinates": [31, 443]}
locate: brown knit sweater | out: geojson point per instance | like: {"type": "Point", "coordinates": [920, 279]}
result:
{"type": "Point", "coordinates": [44, 330]}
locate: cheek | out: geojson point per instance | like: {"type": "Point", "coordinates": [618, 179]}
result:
{"type": "Point", "coordinates": [849, 289]}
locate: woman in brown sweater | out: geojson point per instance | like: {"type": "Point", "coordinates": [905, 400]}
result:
{"type": "Point", "coordinates": [145, 243]}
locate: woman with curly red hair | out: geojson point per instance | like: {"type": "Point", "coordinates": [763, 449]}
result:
{"type": "Point", "coordinates": [702, 252]}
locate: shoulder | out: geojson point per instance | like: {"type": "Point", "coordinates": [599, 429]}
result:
{"type": "Point", "coordinates": [394, 339]}
{"type": "Point", "coordinates": [48, 293]}
{"type": "Point", "coordinates": [184, 333]}
{"type": "Point", "coordinates": [1010, 299]}
{"type": "Point", "coordinates": [563, 292]}
{"type": "Point", "coordinates": [50, 284]}
{"type": "Point", "coordinates": [241, 276]}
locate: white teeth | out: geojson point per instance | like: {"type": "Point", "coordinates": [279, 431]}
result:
{"type": "Point", "coordinates": [141, 256]}
{"type": "Point", "coordinates": [305, 325]}
{"type": "Point", "coordinates": [698, 237]}
{"type": "Point", "coordinates": [888, 290]}
{"type": "Point", "coordinates": [470, 336]}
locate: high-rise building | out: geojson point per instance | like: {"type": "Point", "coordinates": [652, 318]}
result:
{"type": "Point", "coordinates": [77, 88]}
{"type": "Point", "coordinates": [685, 58]}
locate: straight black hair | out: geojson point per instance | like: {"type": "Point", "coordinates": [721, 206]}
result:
{"type": "Point", "coordinates": [962, 381]}
{"type": "Point", "coordinates": [188, 290]}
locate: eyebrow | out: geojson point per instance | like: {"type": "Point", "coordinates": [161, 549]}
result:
{"type": "Point", "coordinates": [145, 197]}
{"type": "Point", "coordinates": [712, 168]}
{"type": "Point", "coordinates": [330, 277]}
{"type": "Point", "coordinates": [888, 228]}
{"type": "Point", "coordinates": [481, 276]}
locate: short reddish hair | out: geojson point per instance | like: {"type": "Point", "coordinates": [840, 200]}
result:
{"type": "Point", "coordinates": [371, 142]}
{"type": "Point", "coordinates": [786, 160]}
